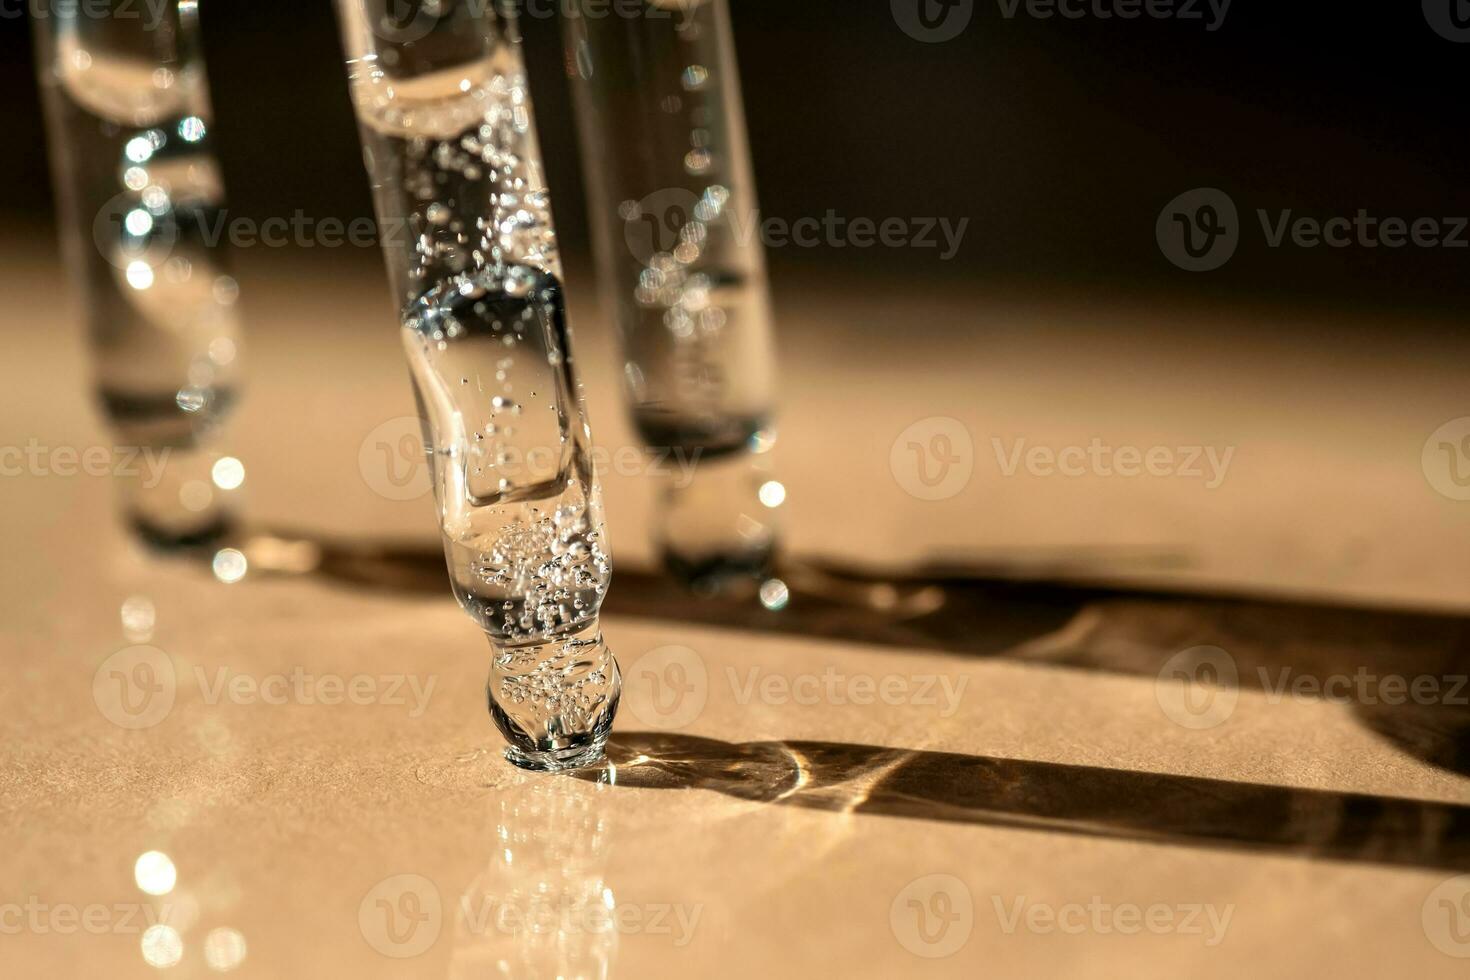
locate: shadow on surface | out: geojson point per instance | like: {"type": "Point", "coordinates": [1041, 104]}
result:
{"type": "Point", "coordinates": [1273, 644]}
{"type": "Point", "coordinates": [924, 785]}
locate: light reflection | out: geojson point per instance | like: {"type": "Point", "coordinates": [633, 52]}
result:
{"type": "Point", "coordinates": [229, 565]}
{"type": "Point", "coordinates": [774, 594]}
{"type": "Point", "coordinates": [228, 473]}
{"type": "Point", "coordinates": [154, 872]}
{"type": "Point", "coordinates": [195, 495]}
{"type": "Point", "coordinates": [138, 222]}
{"type": "Point", "coordinates": [543, 907]}
{"type": "Point", "coordinates": [140, 274]}
{"type": "Point", "coordinates": [162, 946]}
{"type": "Point", "coordinates": [139, 149]}
{"type": "Point", "coordinates": [224, 949]}
{"type": "Point", "coordinates": [192, 129]}
{"type": "Point", "coordinates": [138, 618]}
{"type": "Point", "coordinates": [772, 493]}
{"type": "Point", "coordinates": [222, 350]}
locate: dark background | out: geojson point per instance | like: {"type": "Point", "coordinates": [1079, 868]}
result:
{"type": "Point", "coordinates": [1060, 140]}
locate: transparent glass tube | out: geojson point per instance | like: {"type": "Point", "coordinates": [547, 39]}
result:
{"type": "Point", "coordinates": [450, 147]}
{"type": "Point", "coordinates": [141, 202]}
{"type": "Point", "coordinates": [681, 266]}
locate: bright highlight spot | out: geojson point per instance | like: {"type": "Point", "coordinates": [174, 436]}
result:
{"type": "Point", "coordinates": [772, 493]}
{"type": "Point", "coordinates": [138, 222]}
{"type": "Point", "coordinates": [228, 473]}
{"type": "Point", "coordinates": [774, 594]}
{"type": "Point", "coordinates": [139, 149]}
{"type": "Point", "coordinates": [230, 565]}
{"type": "Point", "coordinates": [154, 872]}
{"type": "Point", "coordinates": [222, 350]}
{"type": "Point", "coordinates": [163, 947]}
{"type": "Point", "coordinates": [224, 949]}
{"type": "Point", "coordinates": [138, 619]}
{"type": "Point", "coordinates": [192, 129]}
{"type": "Point", "coordinates": [140, 274]}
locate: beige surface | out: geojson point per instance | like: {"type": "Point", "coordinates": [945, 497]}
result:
{"type": "Point", "coordinates": [282, 819]}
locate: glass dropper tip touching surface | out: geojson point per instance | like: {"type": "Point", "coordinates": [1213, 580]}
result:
{"type": "Point", "coordinates": [450, 144]}
{"type": "Point", "coordinates": [554, 701]}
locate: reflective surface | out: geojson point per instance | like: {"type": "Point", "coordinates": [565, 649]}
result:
{"type": "Point", "coordinates": [299, 769]}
